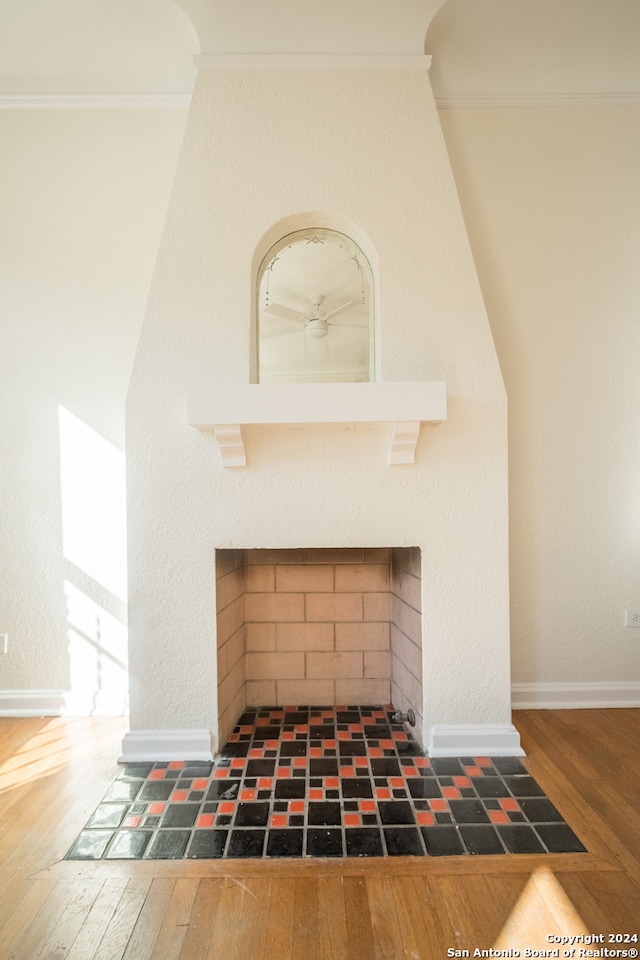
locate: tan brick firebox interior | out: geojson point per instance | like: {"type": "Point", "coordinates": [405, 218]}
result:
{"type": "Point", "coordinates": [318, 626]}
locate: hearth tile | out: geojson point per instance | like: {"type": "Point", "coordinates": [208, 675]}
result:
{"type": "Point", "coordinates": [246, 843]}
{"type": "Point", "coordinates": [129, 845]}
{"type": "Point", "coordinates": [425, 788]}
{"type": "Point", "coordinates": [403, 842]}
{"type": "Point", "coordinates": [323, 814]}
{"type": "Point", "coordinates": [90, 845]}
{"type": "Point", "coordinates": [539, 810]}
{"type": "Point", "coordinates": [169, 844]}
{"type": "Point", "coordinates": [468, 811]}
{"type": "Point", "coordinates": [395, 811]}
{"type": "Point", "coordinates": [135, 771]}
{"type": "Point", "coordinates": [123, 790]}
{"type": "Point", "coordinates": [442, 841]}
{"type": "Point", "coordinates": [324, 843]}
{"type": "Point", "coordinates": [559, 838]}
{"type": "Point", "coordinates": [180, 815]}
{"type": "Point", "coordinates": [207, 844]}
{"type": "Point", "coordinates": [481, 839]}
{"type": "Point", "coordinates": [285, 843]}
{"type": "Point", "coordinates": [108, 815]}
{"type": "Point", "coordinates": [490, 786]}
{"type": "Point", "coordinates": [508, 765]}
{"type": "Point", "coordinates": [523, 786]}
{"type": "Point", "coordinates": [447, 766]}
{"type": "Point", "coordinates": [520, 838]}
{"type": "Point", "coordinates": [364, 842]}
{"type": "Point", "coordinates": [357, 787]}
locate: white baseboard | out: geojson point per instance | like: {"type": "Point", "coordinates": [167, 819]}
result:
{"type": "Point", "coordinates": [60, 703]}
{"type": "Point", "coordinates": [573, 696]}
{"type": "Point", "coordinates": [153, 745]}
{"type": "Point", "coordinates": [474, 740]}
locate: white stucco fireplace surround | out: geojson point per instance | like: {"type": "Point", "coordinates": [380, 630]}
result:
{"type": "Point", "coordinates": [346, 136]}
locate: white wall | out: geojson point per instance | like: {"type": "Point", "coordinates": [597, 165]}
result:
{"type": "Point", "coordinates": [551, 199]}
{"type": "Point", "coordinates": [82, 201]}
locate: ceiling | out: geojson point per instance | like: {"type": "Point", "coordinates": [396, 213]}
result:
{"type": "Point", "coordinates": [480, 48]}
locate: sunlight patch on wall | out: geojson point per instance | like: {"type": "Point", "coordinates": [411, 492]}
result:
{"type": "Point", "coordinates": [92, 490]}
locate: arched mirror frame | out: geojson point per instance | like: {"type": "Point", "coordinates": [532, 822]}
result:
{"type": "Point", "coordinates": [315, 300]}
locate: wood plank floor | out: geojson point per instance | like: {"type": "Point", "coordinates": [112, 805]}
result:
{"type": "Point", "coordinates": [54, 772]}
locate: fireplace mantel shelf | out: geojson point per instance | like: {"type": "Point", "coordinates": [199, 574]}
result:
{"type": "Point", "coordinates": [224, 410]}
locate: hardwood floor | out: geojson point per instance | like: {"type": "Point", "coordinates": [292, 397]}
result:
{"type": "Point", "coordinates": [54, 772]}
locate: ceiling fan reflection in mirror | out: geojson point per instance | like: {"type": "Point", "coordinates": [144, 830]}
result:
{"type": "Point", "coordinates": [315, 324]}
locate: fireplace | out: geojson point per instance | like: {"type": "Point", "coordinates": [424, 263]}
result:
{"type": "Point", "coordinates": [229, 477]}
{"type": "Point", "coordinates": [324, 627]}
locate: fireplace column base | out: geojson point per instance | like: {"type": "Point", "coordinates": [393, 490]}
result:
{"type": "Point", "coordinates": [475, 740]}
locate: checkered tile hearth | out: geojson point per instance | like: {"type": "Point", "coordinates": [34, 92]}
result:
{"type": "Point", "coordinates": [323, 782]}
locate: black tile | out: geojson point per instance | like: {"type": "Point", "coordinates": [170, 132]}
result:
{"type": "Point", "coordinates": [324, 843]}
{"type": "Point", "coordinates": [218, 787]}
{"type": "Point", "coordinates": [523, 787]}
{"type": "Point", "coordinates": [323, 814]}
{"type": "Point", "coordinates": [480, 838]}
{"type": "Point", "coordinates": [356, 787]}
{"type": "Point", "coordinates": [108, 815]}
{"type": "Point", "coordinates": [123, 790]}
{"type": "Point", "coordinates": [266, 733]}
{"type": "Point", "coordinates": [252, 815]}
{"type": "Point", "coordinates": [353, 748]}
{"type": "Point", "coordinates": [135, 771]}
{"type": "Point", "coordinates": [260, 768]}
{"type": "Point", "coordinates": [246, 843]}
{"type": "Point", "coordinates": [490, 786]}
{"type": "Point", "coordinates": [468, 811]}
{"type": "Point", "coordinates": [365, 842]}
{"type": "Point", "coordinates": [424, 788]}
{"type": "Point", "coordinates": [90, 845]}
{"type": "Point", "coordinates": [539, 810]}
{"type": "Point", "coordinates": [169, 844]}
{"type": "Point", "coordinates": [392, 811]}
{"type": "Point", "coordinates": [322, 731]}
{"type": "Point", "coordinates": [129, 845]}
{"type": "Point", "coordinates": [385, 767]}
{"type": "Point", "coordinates": [285, 843]}
{"type": "Point", "coordinates": [403, 842]}
{"type": "Point", "coordinates": [290, 790]}
{"type": "Point", "coordinates": [180, 815]}
{"type": "Point", "coordinates": [347, 716]}
{"type": "Point", "coordinates": [560, 838]}
{"type": "Point", "coordinates": [442, 841]}
{"type": "Point", "coordinates": [197, 768]}
{"type": "Point", "coordinates": [293, 748]}
{"type": "Point", "coordinates": [377, 732]}
{"type": "Point", "coordinates": [508, 765]}
{"type": "Point", "coordinates": [520, 838]}
{"type": "Point", "coordinates": [447, 766]}
{"type": "Point", "coordinates": [323, 767]}
{"type": "Point", "coordinates": [207, 844]}
{"type": "Point", "coordinates": [239, 748]}
{"type": "Point", "coordinates": [156, 790]}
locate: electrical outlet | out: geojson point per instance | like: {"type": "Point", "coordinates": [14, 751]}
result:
{"type": "Point", "coordinates": [4, 642]}
{"type": "Point", "coordinates": [632, 618]}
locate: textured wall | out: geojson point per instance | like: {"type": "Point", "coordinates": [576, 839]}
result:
{"type": "Point", "coordinates": [82, 200]}
{"type": "Point", "coordinates": [365, 145]}
{"type": "Point", "coordinates": [552, 205]}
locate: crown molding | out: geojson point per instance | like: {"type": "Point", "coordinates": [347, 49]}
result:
{"type": "Point", "coordinates": [313, 61]}
{"type": "Point", "coordinates": [95, 101]}
{"type": "Point", "coordinates": [543, 100]}
{"type": "Point", "coordinates": [181, 101]}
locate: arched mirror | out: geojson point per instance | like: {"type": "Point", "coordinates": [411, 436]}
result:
{"type": "Point", "coordinates": [315, 317]}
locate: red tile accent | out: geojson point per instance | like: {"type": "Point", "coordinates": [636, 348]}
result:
{"type": "Point", "coordinates": [283, 773]}
{"type": "Point", "coordinates": [352, 820]}
{"type": "Point", "coordinates": [331, 783]}
{"type": "Point", "coordinates": [265, 783]}
{"type": "Point", "coordinates": [206, 820]}
{"type": "Point", "coordinates": [299, 762]}
{"type": "Point", "coordinates": [347, 772]}
{"type": "Point", "coordinates": [179, 795]}
{"type": "Point", "coordinates": [368, 806]}
{"type": "Point", "coordinates": [132, 821]}
{"type": "Point", "coordinates": [424, 818]}
{"type": "Point", "coordinates": [287, 735]}
{"type": "Point", "coordinates": [396, 782]}
{"type": "Point", "coordinates": [296, 806]}
{"type": "Point", "coordinates": [361, 761]}
{"type": "Point", "coordinates": [200, 784]}
{"type": "Point", "coordinates": [399, 735]}
{"type": "Point", "coordinates": [329, 744]}
{"type": "Point", "coordinates": [157, 775]}
{"type": "Point", "coordinates": [508, 803]}
{"type": "Point", "coordinates": [176, 765]}
{"type": "Point", "coordinates": [410, 772]}
{"type": "Point", "coordinates": [387, 744]}
{"type": "Point", "coordinates": [498, 816]}
{"type": "Point", "coordinates": [438, 805]}
{"type": "Point", "coordinates": [473, 771]}
{"type": "Point", "coordinates": [316, 793]}
{"type": "Point", "coordinates": [221, 773]}
{"type": "Point", "coordinates": [256, 753]}
{"type": "Point", "coordinates": [344, 735]}
{"type": "Point", "coordinates": [422, 762]}
{"type": "Point", "coordinates": [376, 752]}
{"type": "Point", "coordinates": [383, 794]}
{"type": "Point", "coordinates": [462, 781]}
{"type": "Point", "coordinates": [226, 808]}
{"type": "Point", "coordinates": [451, 793]}
{"type": "Point", "coordinates": [237, 763]}
{"type": "Point", "coordinates": [483, 761]}
{"type": "Point", "coordinates": [155, 809]}
{"type": "Point", "coordinates": [271, 744]}
{"type": "Point", "coordinates": [247, 794]}
{"type": "Point", "coordinates": [279, 820]}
